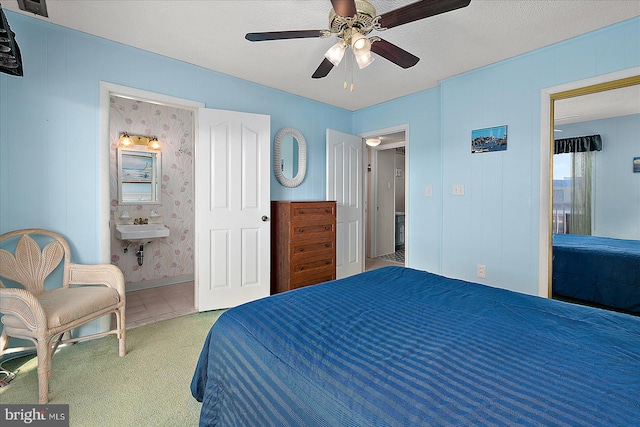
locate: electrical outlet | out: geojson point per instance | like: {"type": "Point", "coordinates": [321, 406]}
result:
{"type": "Point", "coordinates": [458, 190]}
{"type": "Point", "coordinates": [482, 271]}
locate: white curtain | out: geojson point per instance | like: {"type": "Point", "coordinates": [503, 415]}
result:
{"type": "Point", "coordinates": [581, 178]}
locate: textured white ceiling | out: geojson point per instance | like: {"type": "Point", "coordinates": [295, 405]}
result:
{"type": "Point", "coordinates": [210, 33]}
{"type": "Point", "coordinates": [602, 105]}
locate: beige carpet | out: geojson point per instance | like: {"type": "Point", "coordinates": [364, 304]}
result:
{"type": "Point", "coordinates": [147, 387]}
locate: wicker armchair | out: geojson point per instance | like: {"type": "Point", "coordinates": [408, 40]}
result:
{"type": "Point", "coordinates": [44, 316]}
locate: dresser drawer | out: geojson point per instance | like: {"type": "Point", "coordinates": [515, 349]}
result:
{"type": "Point", "coordinates": [301, 263]}
{"type": "Point", "coordinates": [318, 211]}
{"type": "Point", "coordinates": [312, 246]}
{"type": "Point", "coordinates": [319, 276]}
{"type": "Point", "coordinates": [318, 230]}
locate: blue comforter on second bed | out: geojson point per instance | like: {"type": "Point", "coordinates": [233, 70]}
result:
{"type": "Point", "coordinates": [596, 269]}
{"type": "Point", "coordinates": [400, 347]}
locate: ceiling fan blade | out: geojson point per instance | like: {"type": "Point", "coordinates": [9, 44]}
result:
{"type": "Point", "coordinates": [285, 35]}
{"type": "Point", "coordinates": [419, 10]}
{"type": "Point", "coordinates": [346, 8]}
{"type": "Point", "coordinates": [325, 67]}
{"type": "Point", "coordinates": [394, 54]}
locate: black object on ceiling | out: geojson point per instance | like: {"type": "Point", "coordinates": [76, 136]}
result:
{"type": "Point", "coordinates": [10, 59]}
{"type": "Point", "coordinates": [38, 7]}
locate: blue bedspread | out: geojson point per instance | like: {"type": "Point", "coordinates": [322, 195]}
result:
{"type": "Point", "coordinates": [401, 347]}
{"type": "Point", "coordinates": [597, 269]}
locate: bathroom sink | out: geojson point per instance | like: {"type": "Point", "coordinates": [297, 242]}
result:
{"type": "Point", "coordinates": [133, 232]}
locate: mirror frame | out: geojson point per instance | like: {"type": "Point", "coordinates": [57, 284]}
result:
{"type": "Point", "coordinates": [302, 157]}
{"type": "Point", "coordinates": [156, 157]}
{"type": "Point", "coordinates": [557, 96]}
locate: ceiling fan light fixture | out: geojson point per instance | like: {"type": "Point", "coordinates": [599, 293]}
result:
{"type": "Point", "coordinates": [364, 59]}
{"type": "Point", "coordinates": [360, 43]}
{"type": "Point", "coordinates": [336, 52]}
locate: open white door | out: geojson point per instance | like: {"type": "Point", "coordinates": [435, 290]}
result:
{"type": "Point", "coordinates": [385, 202]}
{"type": "Point", "coordinates": [232, 208]}
{"type": "Point", "coordinates": [344, 185]}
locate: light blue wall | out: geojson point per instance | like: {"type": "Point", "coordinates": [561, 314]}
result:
{"type": "Point", "coordinates": [49, 129]}
{"type": "Point", "coordinates": [49, 124]}
{"type": "Point", "coordinates": [421, 112]}
{"type": "Point", "coordinates": [496, 222]}
{"type": "Point", "coordinates": [616, 193]}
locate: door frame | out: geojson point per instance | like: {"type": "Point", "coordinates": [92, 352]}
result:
{"type": "Point", "coordinates": [369, 218]}
{"type": "Point", "coordinates": [548, 96]}
{"type": "Point", "coordinates": [106, 91]}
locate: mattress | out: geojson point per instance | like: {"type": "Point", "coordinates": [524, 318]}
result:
{"type": "Point", "coordinates": [598, 270]}
{"type": "Point", "coordinates": [400, 347]}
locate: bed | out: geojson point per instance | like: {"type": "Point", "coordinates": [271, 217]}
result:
{"type": "Point", "coordinates": [402, 347]}
{"type": "Point", "coordinates": [597, 270]}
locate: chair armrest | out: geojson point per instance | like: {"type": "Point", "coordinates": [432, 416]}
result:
{"type": "Point", "coordinates": [100, 274]}
{"type": "Point", "coordinates": [23, 305]}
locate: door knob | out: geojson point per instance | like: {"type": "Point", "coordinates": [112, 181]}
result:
{"type": "Point", "coordinates": [265, 218]}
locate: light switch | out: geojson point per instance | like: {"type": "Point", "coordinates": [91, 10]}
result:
{"type": "Point", "coordinates": [428, 191]}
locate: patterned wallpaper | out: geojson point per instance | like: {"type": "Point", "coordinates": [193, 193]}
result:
{"type": "Point", "coordinates": [171, 256]}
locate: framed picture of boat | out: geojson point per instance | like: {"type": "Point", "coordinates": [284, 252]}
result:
{"type": "Point", "coordinates": [636, 164]}
{"type": "Point", "coordinates": [489, 139]}
{"type": "Point", "coordinates": [137, 168]}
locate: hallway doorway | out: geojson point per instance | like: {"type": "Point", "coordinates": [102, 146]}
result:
{"type": "Point", "coordinates": [386, 196]}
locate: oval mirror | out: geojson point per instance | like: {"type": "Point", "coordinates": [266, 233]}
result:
{"type": "Point", "coordinates": [289, 157]}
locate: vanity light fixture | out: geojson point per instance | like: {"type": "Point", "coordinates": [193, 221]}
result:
{"type": "Point", "coordinates": [154, 144]}
{"type": "Point", "coordinates": [125, 140]}
{"type": "Point", "coordinates": [372, 142]}
{"type": "Point", "coordinates": [130, 141]}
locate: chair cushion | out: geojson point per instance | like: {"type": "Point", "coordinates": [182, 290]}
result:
{"type": "Point", "coordinates": [66, 305]}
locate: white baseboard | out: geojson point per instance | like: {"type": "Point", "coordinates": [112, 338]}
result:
{"type": "Point", "coordinates": [155, 283]}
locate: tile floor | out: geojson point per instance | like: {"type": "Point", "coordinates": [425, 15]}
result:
{"type": "Point", "coordinates": [156, 304]}
{"type": "Point", "coordinates": [397, 256]}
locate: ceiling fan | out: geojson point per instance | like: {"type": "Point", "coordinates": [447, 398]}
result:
{"type": "Point", "coordinates": [352, 21]}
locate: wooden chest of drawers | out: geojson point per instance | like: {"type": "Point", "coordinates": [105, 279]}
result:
{"type": "Point", "coordinates": [303, 244]}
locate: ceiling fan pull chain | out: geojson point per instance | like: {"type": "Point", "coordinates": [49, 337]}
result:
{"type": "Point", "coordinates": [352, 86]}
{"type": "Point", "coordinates": [345, 73]}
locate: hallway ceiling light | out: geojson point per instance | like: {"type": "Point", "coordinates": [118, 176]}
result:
{"type": "Point", "coordinates": [372, 142]}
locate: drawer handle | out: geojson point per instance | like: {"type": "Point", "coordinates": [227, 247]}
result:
{"type": "Point", "coordinates": [327, 262]}
{"type": "Point", "coordinates": [301, 212]}
{"type": "Point", "coordinates": [327, 210]}
{"type": "Point", "coordinates": [301, 268]}
{"type": "Point", "coordinates": [300, 230]}
{"type": "Point", "coordinates": [301, 249]}
{"type": "Point", "coordinates": [327, 245]}
{"type": "Point", "coordinates": [327, 228]}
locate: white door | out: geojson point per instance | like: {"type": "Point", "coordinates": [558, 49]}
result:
{"type": "Point", "coordinates": [385, 202]}
{"type": "Point", "coordinates": [232, 208]}
{"type": "Point", "coordinates": [344, 185]}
